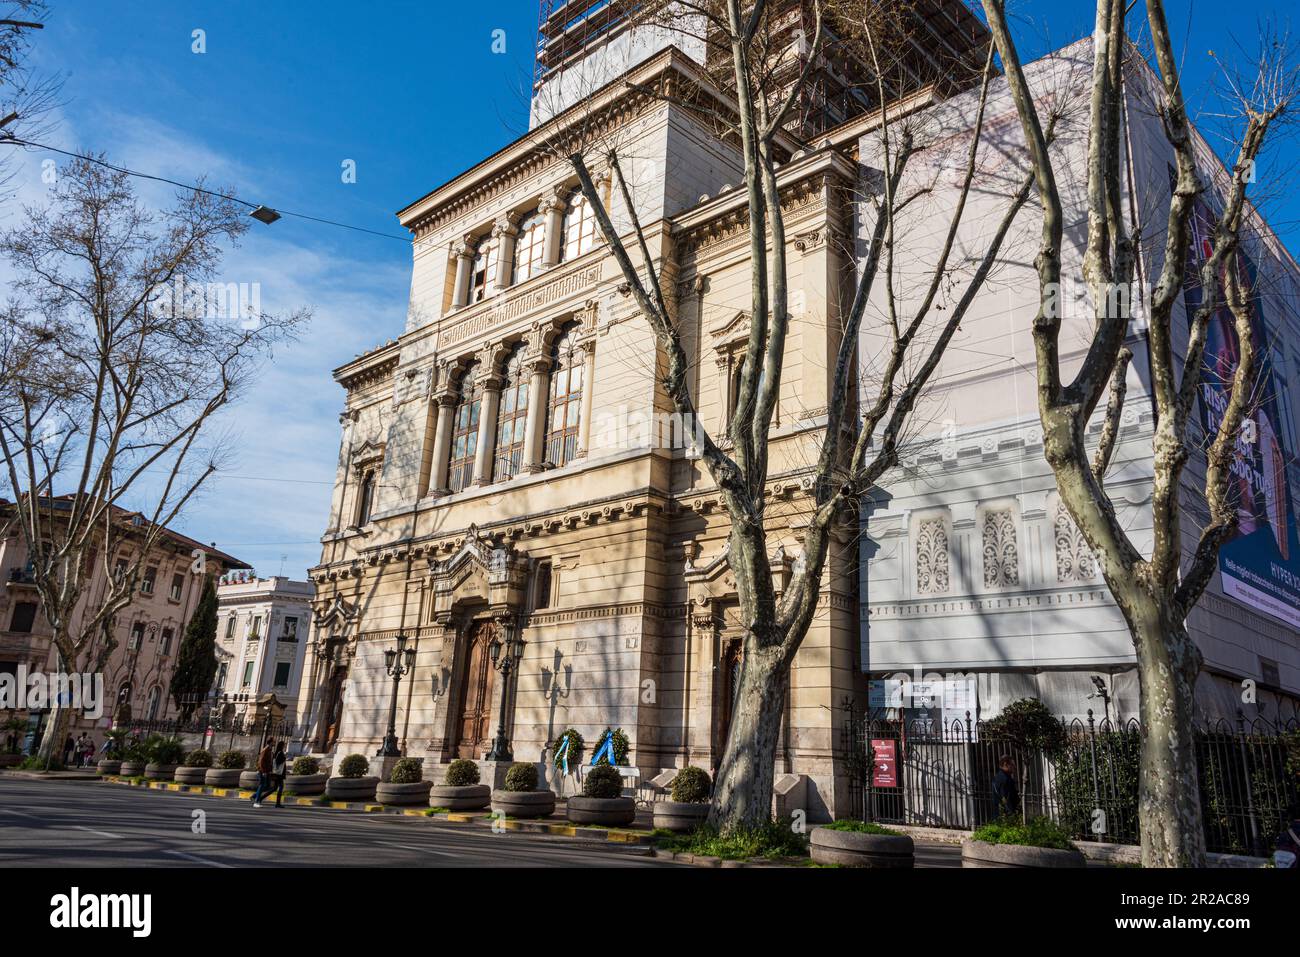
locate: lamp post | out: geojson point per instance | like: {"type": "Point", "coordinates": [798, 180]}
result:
{"type": "Point", "coordinates": [398, 662]}
{"type": "Point", "coordinates": [514, 649]}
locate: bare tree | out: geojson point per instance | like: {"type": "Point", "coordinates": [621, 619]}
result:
{"type": "Point", "coordinates": [117, 356]}
{"type": "Point", "coordinates": [1155, 593]}
{"type": "Point", "coordinates": [26, 96]}
{"type": "Point", "coordinates": [861, 441]}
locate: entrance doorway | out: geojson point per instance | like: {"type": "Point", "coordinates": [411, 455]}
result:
{"type": "Point", "coordinates": [475, 724]}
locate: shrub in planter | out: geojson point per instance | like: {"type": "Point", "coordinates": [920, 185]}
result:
{"type": "Point", "coordinates": [861, 844]}
{"type": "Point", "coordinates": [304, 777]}
{"type": "Point", "coordinates": [602, 802]}
{"type": "Point", "coordinates": [406, 785]}
{"type": "Point", "coordinates": [226, 773]}
{"type": "Point", "coordinates": [407, 771]}
{"type": "Point", "coordinates": [164, 756]}
{"type": "Point", "coordinates": [1038, 842]}
{"type": "Point", "coordinates": [198, 758]}
{"type": "Point", "coordinates": [461, 790]}
{"type": "Point", "coordinates": [354, 766]}
{"type": "Point", "coordinates": [690, 801]}
{"type": "Point", "coordinates": [304, 765]}
{"type": "Point", "coordinates": [351, 783]}
{"type": "Point", "coordinates": [232, 760]}
{"type": "Point", "coordinates": [521, 797]}
{"type": "Point", "coordinates": [195, 769]}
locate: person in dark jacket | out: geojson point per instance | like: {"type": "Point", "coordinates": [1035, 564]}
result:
{"type": "Point", "coordinates": [279, 762]}
{"type": "Point", "coordinates": [68, 747]}
{"type": "Point", "coordinates": [1006, 794]}
{"type": "Point", "coordinates": [264, 764]}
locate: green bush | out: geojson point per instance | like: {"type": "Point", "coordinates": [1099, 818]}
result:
{"type": "Point", "coordinates": [163, 750]}
{"type": "Point", "coordinates": [621, 746]}
{"type": "Point", "coordinates": [231, 760]}
{"type": "Point", "coordinates": [461, 773]}
{"type": "Point", "coordinates": [407, 771]}
{"type": "Point", "coordinates": [860, 827]}
{"type": "Point", "coordinates": [198, 758]}
{"type": "Point", "coordinates": [771, 840]}
{"type": "Point", "coordinates": [1116, 758]}
{"type": "Point", "coordinates": [522, 776]}
{"type": "Point", "coordinates": [1029, 724]}
{"type": "Point", "coordinates": [354, 766]}
{"type": "Point", "coordinates": [691, 785]}
{"type": "Point", "coordinates": [602, 781]}
{"type": "Point", "coordinates": [37, 763]}
{"type": "Point", "coordinates": [305, 765]}
{"type": "Point", "coordinates": [1036, 832]}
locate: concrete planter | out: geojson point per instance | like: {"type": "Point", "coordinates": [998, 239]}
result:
{"type": "Point", "coordinates": [404, 795]}
{"type": "Point", "coordinates": [248, 780]}
{"type": "Point", "coordinates": [186, 775]}
{"type": "Point", "coordinates": [460, 797]}
{"type": "Point", "coordinates": [351, 789]}
{"type": "Point", "coordinates": [603, 812]}
{"type": "Point", "coordinates": [855, 849]}
{"type": "Point", "coordinates": [132, 769]}
{"type": "Point", "coordinates": [109, 767]}
{"type": "Point", "coordinates": [524, 803]}
{"type": "Point", "coordinates": [679, 816]}
{"type": "Point", "coordinates": [306, 785]}
{"type": "Point", "coordinates": [222, 777]}
{"type": "Point", "coordinates": [159, 772]}
{"type": "Point", "coordinates": [982, 854]}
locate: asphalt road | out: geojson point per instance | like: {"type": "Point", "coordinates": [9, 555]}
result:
{"type": "Point", "coordinates": [89, 824]}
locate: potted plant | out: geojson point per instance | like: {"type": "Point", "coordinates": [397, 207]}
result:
{"type": "Point", "coordinates": [11, 754]}
{"type": "Point", "coordinates": [111, 763]}
{"type": "Point", "coordinates": [460, 790]}
{"type": "Point", "coordinates": [860, 844]}
{"type": "Point", "coordinates": [690, 801]}
{"type": "Point", "coordinates": [1038, 842]}
{"type": "Point", "coordinates": [164, 753]}
{"type": "Point", "coordinates": [406, 785]}
{"type": "Point", "coordinates": [134, 758]}
{"type": "Point", "coordinates": [304, 777]}
{"type": "Point", "coordinates": [230, 764]}
{"type": "Point", "coordinates": [351, 783]}
{"type": "Point", "coordinates": [196, 766]}
{"type": "Point", "coordinates": [601, 801]}
{"type": "Point", "coordinates": [521, 797]}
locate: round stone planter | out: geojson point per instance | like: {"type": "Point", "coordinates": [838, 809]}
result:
{"type": "Point", "coordinates": [523, 803]}
{"type": "Point", "coordinates": [109, 767]}
{"type": "Point", "coordinates": [679, 816]}
{"type": "Point", "coordinates": [222, 777]}
{"type": "Point", "coordinates": [248, 780]}
{"type": "Point", "coordinates": [159, 772]}
{"type": "Point", "coordinates": [855, 849]}
{"type": "Point", "coordinates": [132, 769]}
{"type": "Point", "coordinates": [191, 775]}
{"type": "Point", "coordinates": [460, 797]}
{"type": "Point", "coordinates": [404, 795]}
{"type": "Point", "coordinates": [351, 789]}
{"type": "Point", "coordinates": [983, 854]}
{"type": "Point", "coordinates": [604, 812]}
{"type": "Point", "coordinates": [305, 785]}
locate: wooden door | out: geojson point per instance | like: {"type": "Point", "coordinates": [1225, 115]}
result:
{"type": "Point", "coordinates": [477, 678]}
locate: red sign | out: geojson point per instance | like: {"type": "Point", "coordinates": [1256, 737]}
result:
{"type": "Point", "coordinates": [884, 772]}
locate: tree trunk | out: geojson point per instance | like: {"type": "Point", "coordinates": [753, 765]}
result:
{"type": "Point", "coordinates": [742, 793]}
{"type": "Point", "coordinates": [1169, 798]}
{"type": "Point", "coordinates": [56, 729]}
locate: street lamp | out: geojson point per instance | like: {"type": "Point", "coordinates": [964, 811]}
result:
{"type": "Point", "coordinates": [514, 649]}
{"type": "Point", "coordinates": [398, 661]}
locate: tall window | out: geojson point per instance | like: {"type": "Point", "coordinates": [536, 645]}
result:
{"type": "Point", "coordinates": [565, 406]}
{"type": "Point", "coordinates": [24, 617]}
{"type": "Point", "coordinates": [230, 627]}
{"type": "Point", "coordinates": [579, 226]}
{"type": "Point", "coordinates": [512, 420]}
{"type": "Point", "coordinates": [282, 669]}
{"type": "Point", "coordinates": [366, 498]}
{"type": "Point", "coordinates": [178, 586]}
{"type": "Point", "coordinates": [155, 702]}
{"type": "Point", "coordinates": [136, 637]}
{"type": "Point", "coordinates": [150, 577]}
{"type": "Point", "coordinates": [530, 246]}
{"type": "Point", "coordinates": [464, 431]}
{"type": "Point", "coordinates": [248, 674]}
{"type": "Point", "coordinates": [485, 267]}
{"type": "Point", "coordinates": [290, 632]}
{"type": "Point", "coordinates": [166, 648]}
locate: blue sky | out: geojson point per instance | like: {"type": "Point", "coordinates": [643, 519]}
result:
{"type": "Point", "coordinates": [414, 94]}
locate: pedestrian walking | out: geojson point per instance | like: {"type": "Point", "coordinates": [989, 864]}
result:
{"type": "Point", "coordinates": [265, 759]}
{"type": "Point", "coordinates": [279, 762]}
{"type": "Point", "coordinates": [88, 752]}
{"type": "Point", "coordinates": [68, 747]}
{"type": "Point", "coordinates": [1006, 794]}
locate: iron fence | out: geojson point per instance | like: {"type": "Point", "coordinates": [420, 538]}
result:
{"type": "Point", "coordinates": [927, 773]}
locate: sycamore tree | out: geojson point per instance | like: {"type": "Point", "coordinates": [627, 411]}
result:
{"type": "Point", "coordinates": [119, 350]}
{"type": "Point", "coordinates": [1154, 591]}
{"type": "Point", "coordinates": [914, 320]}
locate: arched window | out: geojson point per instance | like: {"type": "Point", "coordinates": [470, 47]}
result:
{"type": "Point", "coordinates": [155, 702]}
{"type": "Point", "coordinates": [464, 431]}
{"type": "Point", "coordinates": [512, 419]}
{"type": "Point", "coordinates": [366, 497]}
{"type": "Point", "coordinates": [579, 226]}
{"type": "Point", "coordinates": [484, 272]}
{"type": "Point", "coordinates": [564, 410]}
{"type": "Point", "coordinates": [530, 246]}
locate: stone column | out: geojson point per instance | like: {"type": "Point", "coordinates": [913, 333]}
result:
{"type": "Point", "coordinates": [552, 207]}
{"type": "Point", "coordinates": [588, 347]}
{"type": "Point", "coordinates": [487, 427]}
{"type": "Point", "coordinates": [464, 254]}
{"type": "Point", "coordinates": [504, 232]}
{"type": "Point", "coordinates": [442, 443]}
{"type": "Point", "coordinates": [535, 430]}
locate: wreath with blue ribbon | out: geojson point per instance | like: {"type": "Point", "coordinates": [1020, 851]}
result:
{"type": "Point", "coordinates": [568, 751]}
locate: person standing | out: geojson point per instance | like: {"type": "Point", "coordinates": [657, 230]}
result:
{"type": "Point", "coordinates": [279, 762]}
{"type": "Point", "coordinates": [1006, 794]}
{"type": "Point", "coordinates": [68, 747]}
{"type": "Point", "coordinates": [264, 763]}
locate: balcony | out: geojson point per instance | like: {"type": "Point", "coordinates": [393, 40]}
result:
{"type": "Point", "coordinates": [20, 578]}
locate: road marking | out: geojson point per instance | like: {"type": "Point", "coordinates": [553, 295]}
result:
{"type": "Point", "coordinates": [116, 837]}
{"type": "Point", "coordinates": [5, 810]}
{"type": "Point", "coordinates": [414, 847]}
{"type": "Point", "coordinates": [196, 860]}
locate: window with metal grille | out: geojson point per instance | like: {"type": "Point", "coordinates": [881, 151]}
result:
{"type": "Point", "coordinates": [512, 418]}
{"type": "Point", "coordinates": [564, 410]}
{"type": "Point", "coordinates": [485, 267]}
{"type": "Point", "coordinates": [530, 246]}
{"type": "Point", "coordinates": [464, 431]}
{"type": "Point", "coordinates": [579, 226]}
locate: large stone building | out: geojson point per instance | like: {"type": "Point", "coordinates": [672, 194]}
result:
{"type": "Point", "coordinates": [262, 628]}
